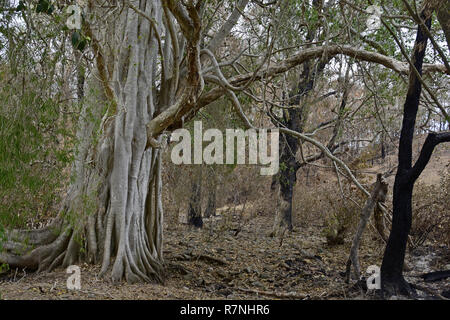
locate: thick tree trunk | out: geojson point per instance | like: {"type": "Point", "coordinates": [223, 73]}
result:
{"type": "Point", "coordinates": [113, 208]}
{"type": "Point", "coordinates": [287, 179]}
{"type": "Point", "coordinates": [287, 176]}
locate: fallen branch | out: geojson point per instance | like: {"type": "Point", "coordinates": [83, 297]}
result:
{"type": "Point", "coordinates": [435, 276]}
{"type": "Point", "coordinates": [283, 295]}
{"type": "Point", "coordinates": [378, 195]}
{"type": "Point", "coordinates": [197, 257]}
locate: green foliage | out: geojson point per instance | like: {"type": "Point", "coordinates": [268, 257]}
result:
{"type": "Point", "coordinates": [2, 236]}
{"type": "Point", "coordinates": [79, 40]}
{"type": "Point", "coordinates": [35, 147]}
{"type": "Point", "coordinates": [21, 6]}
{"type": "Point", "coordinates": [4, 268]}
{"type": "Point", "coordinates": [431, 212]}
{"type": "Point", "coordinates": [45, 6]}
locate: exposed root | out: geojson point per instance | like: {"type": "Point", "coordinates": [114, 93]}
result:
{"type": "Point", "coordinates": [397, 287]}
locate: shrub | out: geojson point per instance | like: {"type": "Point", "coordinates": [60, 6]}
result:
{"type": "Point", "coordinates": [35, 148]}
{"type": "Point", "coordinates": [431, 213]}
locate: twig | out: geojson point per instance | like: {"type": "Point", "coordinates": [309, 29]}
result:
{"type": "Point", "coordinates": [428, 290]}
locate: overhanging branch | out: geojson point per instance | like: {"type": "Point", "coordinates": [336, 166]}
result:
{"type": "Point", "coordinates": [275, 69]}
{"type": "Point", "coordinates": [432, 140]}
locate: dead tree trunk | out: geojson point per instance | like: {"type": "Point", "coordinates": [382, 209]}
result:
{"type": "Point", "coordinates": [392, 279]}
{"type": "Point", "coordinates": [380, 221]}
{"type": "Point", "coordinates": [378, 194]}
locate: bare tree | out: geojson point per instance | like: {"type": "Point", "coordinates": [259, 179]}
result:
{"type": "Point", "coordinates": [392, 279]}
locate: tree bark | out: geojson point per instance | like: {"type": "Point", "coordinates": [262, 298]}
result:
{"type": "Point", "coordinates": [379, 193]}
{"type": "Point", "coordinates": [443, 15]}
{"type": "Point", "coordinates": [211, 206]}
{"type": "Point", "coordinates": [195, 201]}
{"type": "Point", "coordinates": [113, 209]}
{"type": "Point", "coordinates": [294, 119]}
